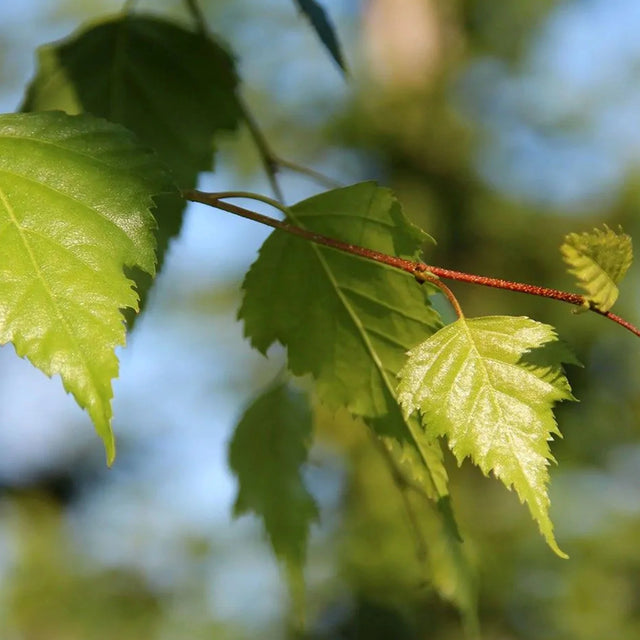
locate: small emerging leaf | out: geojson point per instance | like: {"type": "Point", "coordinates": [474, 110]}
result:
{"type": "Point", "coordinates": [489, 385]}
{"type": "Point", "coordinates": [268, 448]}
{"type": "Point", "coordinates": [599, 259]}
{"type": "Point", "coordinates": [320, 22]}
{"type": "Point", "coordinates": [75, 194]}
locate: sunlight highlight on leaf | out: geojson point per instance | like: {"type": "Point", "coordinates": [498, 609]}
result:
{"type": "Point", "coordinates": [67, 234]}
{"type": "Point", "coordinates": [174, 88]}
{"type": "Point", "coordinates": [599, 259]}
{"type": "Point", "coordinates": [489, 385]}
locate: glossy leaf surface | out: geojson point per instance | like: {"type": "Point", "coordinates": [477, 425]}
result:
{"type": "Point", "coordinates": [174, 88]}
{"type": "Point", "coordinates": [67, 235]}
{"type": "Point", "coordinates": [489, 385]}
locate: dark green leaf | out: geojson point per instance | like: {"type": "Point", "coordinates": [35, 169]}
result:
{"type": "Point", "coordinates": [267, 451]}
{"type": "Point", "coordinates": [319, 20]}
{"type": "Point", "coordinates": [346, 320]}
{"type": "Point", "coordinates": [175, 89]}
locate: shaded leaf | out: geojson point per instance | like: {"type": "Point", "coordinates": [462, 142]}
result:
{"type": "Point", "coordinates": [451, 571]}
{"type": "Point", "coordinates": [599, 259]}
{"type": "Point", "coordinates": [67, 234]}
{"type": "Point", "coordinates": [397, 542]}
{"type": "Point", "coordinates": [474, 383]}
{"type": "Point", "coordinates": [319, 20]}
{"type": "Point", "coordinates": [267, 451]}
{"type": "Point", "coordinates": [175, 89]}
{"type": "Point", "coordinates": [346, 320]}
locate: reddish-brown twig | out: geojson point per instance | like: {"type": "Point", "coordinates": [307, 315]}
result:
{"type": "Point", "coordinates": [421, 271]}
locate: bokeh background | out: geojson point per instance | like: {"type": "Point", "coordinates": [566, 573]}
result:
{"type": "Point", "coordinates": [502, 126]}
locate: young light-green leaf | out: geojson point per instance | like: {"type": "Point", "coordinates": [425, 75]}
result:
{"type": "Point", "coordinates": [489, 385]}
{"type": "Point", "coordinates": [346, 320]}
{"type": "Point", "coordinates": [267, 451]}
{"type": "Point", "coordinates": [174, 88]}
{"type": "Point", "coordinates": [599, 260]}
{"type": "Point", "coordinates": [75, 194]}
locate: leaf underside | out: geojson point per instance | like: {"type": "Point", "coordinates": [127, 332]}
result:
{"type": "Point", "coordinates": [489, 385]}
{"type": "Point", "coordinates": [347, 321]}
{"type": "Point", "coordinates": [175, 89]}
{"type": "Point", "coordinates": [67, 235]}
{"type": "Point", "coordinates": [599, 260]}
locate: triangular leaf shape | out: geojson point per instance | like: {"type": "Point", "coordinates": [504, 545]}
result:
{"type": "Point", "coordinates": [489, 385]}
{"type": "Point", "coordinates": [174, 88]}
{"type": "Point", "coordinates": [345, 320]}
{"type": "Point", "coordinates": [267, 451]}
{"type": "Point", "coordinates": [319, 20]}
{"type": "Point", "coordinates": [75, 194]}
{"type": "Point", "coordinates": [599, 259]}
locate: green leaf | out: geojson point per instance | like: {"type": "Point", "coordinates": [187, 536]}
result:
{"type": "Point", "coordinates": [346, 320]}
{"type": "Point", "coordinates": [175, 89]}
{"type": "Point", "coordinates": [451, 572]}
{"type": "Point", "coordinates": [420, 457]}
{"type": "Point", "coordinates": [599, 259]}
{"type": "Point", "coordinates": [319, 20]}
{"type": "Point", "coordinates": [489, 385]}
{"type": "Point", "coordinates": [268, 448]}
{"type": "Point", "coordinates": [75, 194]}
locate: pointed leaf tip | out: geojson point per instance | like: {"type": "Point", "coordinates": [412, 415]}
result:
{"type": "Point", "coordinates": [68, 235]}
{"type": "Point", "coordinates": [599, 259]}
{"type": "Point", "coordinates": [489, 385]}
{"type": "Point", "coordinates": [319, 20]}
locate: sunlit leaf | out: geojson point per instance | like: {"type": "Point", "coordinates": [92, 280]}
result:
{"type": "Point", "coordinates": [599, 259]}
{"type": "Point", "coordinates": [489, 385]}
{"type": "Point", "coordinates": [267, 451]}
{"type": "Point", "coordinates": [346, 320]}
{"type": "Point", "coordinates": [174, 88]}
{"type": "Point", "coordinates": [319, 20]}
{"type": "Point", "coordinates": [75, 194]}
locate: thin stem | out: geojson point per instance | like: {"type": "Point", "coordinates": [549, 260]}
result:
{"type": "Point", "coordinates": [222, 195]}
{"type": "Point", "coordinates": [421, 271]}
{"type": "Point", "coordinates": [427, 276]}
{"type": "Point", "coordinates": [264, 150]}
{"type": "Point", "coordinates": [320, 178]}
{"type": "Point", "coordinates": [272, 162]}
{"type": "Point", "coordinates": [198, 16]}
{"type": "Point", "coordinates": [571, 298]}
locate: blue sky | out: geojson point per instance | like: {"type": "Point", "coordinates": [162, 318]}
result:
{"type": "Point", "coordinates": [562, 128]}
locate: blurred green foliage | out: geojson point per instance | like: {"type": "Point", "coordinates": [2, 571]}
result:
{"type": "Point", "coordinates": [368, 573]}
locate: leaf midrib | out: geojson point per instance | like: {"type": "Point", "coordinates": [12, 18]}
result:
{"type": "Point", "coordinates": [367, 343]}
{"type": "Point", "coordinates": [61, 317]}
{"type": "Point", "coordinates": [495, 391]}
